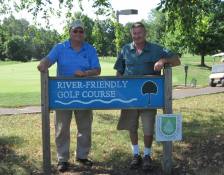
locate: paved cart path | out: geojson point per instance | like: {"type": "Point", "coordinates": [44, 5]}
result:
{"type": "Point", "coordinates": [177, 94]}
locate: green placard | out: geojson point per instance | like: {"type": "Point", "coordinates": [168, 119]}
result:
{"type": "Point", "coordinates": [168, 127]}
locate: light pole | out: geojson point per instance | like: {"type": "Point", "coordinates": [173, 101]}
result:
{"type": "Point", "coordinates": [117, 34]}
{"type": "Point", "coordinates": [125, 12]}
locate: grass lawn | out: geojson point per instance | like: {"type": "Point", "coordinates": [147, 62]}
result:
{"type": "Point", "coordinates": [20, 84]}
{"type": "Point", "coordinates": [199, 153]}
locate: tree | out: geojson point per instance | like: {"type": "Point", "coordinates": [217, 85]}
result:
{"type": "Point", "coordinates": [17, 49]}
{"type": "Point", "coordinates": [208, 37]}
{"type": "Point", "coordinates": [199, 24]}
{"type": "Point", "coordinates": [12, 31]}
{"type": "Point", "coordinates": [127, 34]}
{"type": "Point", "coordinates": [155, 26]}
{"type": "Point", "coordinates": [109, 37]}
{"type": "Point", "coordinates": [118, 36]}
{"type": "Point", "coordinates": [15, 26]}
{"type": "Point", "coordinates": [47, 7]}
{"type": "Point", "coordinates": [3, 38]}
{"type": "Point", "coordinates": [122, 35]}
{"type": "Point", "coordinates": [20, 41]}
{"type": "Point", "coordinates": [41, 40]}
{"type": "Point", "coordinates": [98, 37]}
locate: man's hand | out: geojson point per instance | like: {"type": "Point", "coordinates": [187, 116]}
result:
{"type": "Point", "coordinates": [43, 65]}
{"type": "Point", "coordinates": [87, 73]}
{"type": "Point", "coordinates": [80, 73]}
{"type": "Point", "coordinates": [174, 61]}
{"type": "Point", "coordinates": [159, 64]}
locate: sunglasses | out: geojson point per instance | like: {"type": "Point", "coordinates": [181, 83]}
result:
{"type": "Point", "coordinates": [78, 31]}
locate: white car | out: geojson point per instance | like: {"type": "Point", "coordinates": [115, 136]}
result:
{"type": "Point", "coordinates": [217, 75]}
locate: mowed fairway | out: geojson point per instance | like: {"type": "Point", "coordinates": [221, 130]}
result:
{"type": "Point", "coordinates": [20, 83]}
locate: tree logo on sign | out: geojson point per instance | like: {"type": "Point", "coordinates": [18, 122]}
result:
{"type": "Point", "coordinates": [149, 87]}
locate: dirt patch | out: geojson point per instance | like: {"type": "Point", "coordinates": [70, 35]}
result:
{"type": "Point", "coordinates": [205, 155]}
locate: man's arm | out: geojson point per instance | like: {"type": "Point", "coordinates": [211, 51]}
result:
{"type": "Point", "coordinates": [174, 61]}
{"type": "Point", "coordinates": [118, 74]}
{"type": "Point", "coordinates": [92, 72]}
{"type": "Point", "coordinates": [44, 64]}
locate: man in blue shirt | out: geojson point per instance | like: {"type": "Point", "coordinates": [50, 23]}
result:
{"type": "Point", "coordinates": [74, 57]}
{"type": "Point", "coordinates": [141, 58]}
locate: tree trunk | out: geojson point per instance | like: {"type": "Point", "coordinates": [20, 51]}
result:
{"type": "Point", "coordinates": [203, 60]}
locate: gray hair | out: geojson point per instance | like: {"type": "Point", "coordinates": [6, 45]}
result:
{"type": "Point", "coordinates": [137, 24]}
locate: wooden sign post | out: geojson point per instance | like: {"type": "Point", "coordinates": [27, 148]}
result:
{"type": "Point", "coordinates": [45, 124]}
{"type": "Point", "coordinates": [167, 146]}
{"type": "Point", "coordinates": [104, 93]}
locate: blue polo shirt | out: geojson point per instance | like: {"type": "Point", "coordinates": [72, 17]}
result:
{"type": "Point", "coordinates": [131, 63]}
{"type": "Point", "coordinates": [69, 60]}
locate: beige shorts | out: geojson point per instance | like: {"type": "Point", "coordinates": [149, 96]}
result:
{"type": "Point", "coordinates": [129, 120]}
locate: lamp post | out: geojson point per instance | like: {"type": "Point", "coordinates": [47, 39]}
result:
{"type": "Point", "coordinates": [122, 12]}
{"type": "Point", "coordinates": [125, 12]}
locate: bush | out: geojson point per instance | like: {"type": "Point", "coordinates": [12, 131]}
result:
{"type": "Point", "coordinates": [17, 49]}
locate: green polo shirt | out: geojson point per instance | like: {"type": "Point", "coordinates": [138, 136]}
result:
{"type": "Point", "coordinates": [131, 63]}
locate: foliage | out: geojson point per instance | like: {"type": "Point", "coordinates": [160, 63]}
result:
{"type": "Point", "coordinates": [21, 41]}
{"type": "Point", "coordinates": [100, 33]}
{"type": "Point", "coordinates": [46, 8]}
{"type": "Point", "coordinates": [41, 41]}
{"type": "Point", "coordinates": [12, 27]}
{"type": "Point", "coordinates": [198, 25]}
{"type": "Point", "coordinates": [15, 26]}
{"type": "Point", "coordinates": [17, 49]}
{"type": "Point", "coordinates": [98, 37]}
{"type": "Point", "coordinates": [155, 26]}
{"type": "Point", "coordinates": [3, 37]}
{"type": "Point", "coordinates": [108, 37]}
{"type": "Point", "coordinates": [126, 34]}
{"type": "Point", "coordinates": [118, 36]}
{"type": "Point", "coordinates": [122, 35]}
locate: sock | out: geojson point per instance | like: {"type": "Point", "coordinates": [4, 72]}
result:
{"type": "Point", "coordinates": [147, 151]}
{"type": "Point", "coordinates": [135, 149]}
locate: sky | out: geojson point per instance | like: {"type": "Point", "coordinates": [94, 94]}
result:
{"type": "Point", "coordinates": [143, 7]}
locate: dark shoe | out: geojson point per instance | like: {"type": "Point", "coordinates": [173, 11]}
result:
{"type": "Point", "coordinates": [62, 166]}
{"type": "Point", "coordinates": [136, 161]}
{"type": "Point", "coordinates": [85, 162]}
{"type": "Point", "coordinates": [147, 163]}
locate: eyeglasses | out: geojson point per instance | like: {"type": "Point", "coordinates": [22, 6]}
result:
{"type": "Point", "coordinates": [78, 31]}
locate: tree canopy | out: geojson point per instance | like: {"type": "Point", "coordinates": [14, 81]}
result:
{"type": "Point", "coordinates": [21, 41]}
{"type": "Point", "coordinates": [48, 7]}
{"type": "Point", "coordinates": [197, 25]}
{"type": "Point", "coordinates": [193, 26]}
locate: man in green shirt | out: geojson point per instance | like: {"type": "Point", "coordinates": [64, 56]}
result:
{"type": "Point", "coordinates": [141, 58]}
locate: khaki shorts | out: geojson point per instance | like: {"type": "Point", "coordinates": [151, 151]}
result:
{"type": "Point", "coordinates": [129, 120]}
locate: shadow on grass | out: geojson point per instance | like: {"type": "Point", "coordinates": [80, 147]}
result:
{"type": "Point", "coordinates": [11, 162]}
{"type": "Point", "coordinates": [116, 164]}
{"type": "Point", "coordinates": [201, 149]}
{"type": "Point", "coordinates": [107, 118]}
{"type": "Point", "coordinates": [204, 66]}
{"type": "Point", "coordinates": [200, 127]}
{"type": "Point", "coordinates": [200, 156]}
